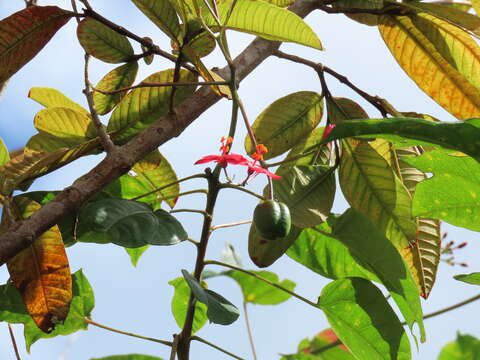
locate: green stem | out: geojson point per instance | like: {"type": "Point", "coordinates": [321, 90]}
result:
{"type": "Point", "coordinates": [199, 339]}
{"type": "Point", "coordinates": [203, 212]}
{"type": "Point", "coordinates": [196, 176]}
{"type": "Point", "coordinates": [91, 322]}
{"type": "Point", "coordinates": [198, 191]}
{"type": "Point", "coordinates": [237, 187]}
{"type": "Point", "coordinates": [215, 227]}
{"type": "Point", "coordinates": [214, 262]}
{"type": "Point", "coordinates": [249, 331]}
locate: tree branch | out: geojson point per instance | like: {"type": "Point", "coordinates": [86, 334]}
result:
{"type": "Point", "coordinates": [119, 161]}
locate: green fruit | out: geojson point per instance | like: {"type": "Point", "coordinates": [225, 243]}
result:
{"type": "Point", "coordinates": [272, 219]}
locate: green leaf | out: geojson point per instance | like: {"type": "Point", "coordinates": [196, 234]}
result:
{"type": "Point", "coordinates": [50, 98]}
{"type": "Point", "coordinates": [120, 77]}
{"type": "Point", "coordinates": [442, 59]}
{"type": "Point", "coordinates": [473, 278]}
{"type": "Point", "coordinates": [220, 310]}
{"type": "Point", "coordinates": [280, 3]}
{"type": "Point", "coordinates": [135, 253]}
{"type": "Point", "coordinates": [264, 252]}
{"type": "Point", "coordinates": [180, 300]}
{"type": "Point", "coordinates": [4, 154]}
{"type": "Point", "coordinates": [129, 357]}
{"type": "Point", "coordinates": [203, 44]}
{"type": "Point", "coordinates": [366, 19]}
{"type": "Point", "coordinates": [267, 21]}
{"type": "Point", "coordinates": [128, 223]}
{"type": "Point", "coordinates": [375, 252]}
{"type": "Point", "coordinates": [466, 347]}
{"type": "Point", "coordinates": [258, 292]}
{"type": "Point", "coordinates": [286, 122]}
{"type": "Point", "coordinates": [364, 321]}
{"type": "Point", "coordinates": [308, 191]}
{"type": "Point", "coordinates": [142, 106]}
{"type": "Point", "coordinates": [25, 33]}
{"type": "Point", "coordinates": [102, 42]}
{"type": "Point", "coordinates": [162, 14]}
{"type": "Point", "coordinates": [12, 310]}
{"type": "Point", "coordinates": [69, 125]}
{"type": "Point", "coordinates": [452, 193]}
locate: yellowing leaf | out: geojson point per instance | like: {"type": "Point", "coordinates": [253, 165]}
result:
{"type": "Point", "coordinates": [25, 33]}
{"type": "Point", "coordinates": [49, 97]}
{"type": "Point", "coordinates": [442, 59]}
{"type": "Point", "coordinates": [267, 21]}
{"type": "Point", "coordinates": [102, 42]}
{"type": "Point", "coordinates": [41, 273]}
{"type": "Point", "coordinates": [120, 77]}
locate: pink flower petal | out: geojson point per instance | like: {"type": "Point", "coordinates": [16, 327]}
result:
{"type": "Point", "coordinates": [207, 159]}
{"type": "Point", "coordinates": [260, 170]}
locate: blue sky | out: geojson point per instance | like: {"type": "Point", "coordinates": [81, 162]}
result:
{"type": "Point", "coordinates": [138, 299]}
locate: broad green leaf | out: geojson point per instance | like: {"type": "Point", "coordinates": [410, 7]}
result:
{"type": "Point", "coordinates": [129, 357]}
{"type": "Point", "coordinates": [258, 292]}
{"type": "Point", "coordinates": [180, 300]}
{"type": "Point", "coordinates": [128, 223]}
{"type": "Point", "coordinates": [25, 33]}
{"type": "Point", "coordinates": [203, 44]}
{"type": "Point", "coordinates": [450, 14]}
{"type": "Point", "coordinates": [219, 310]}
{"type": "Point", "coordinates": [322, 155]}
{"type": "Point", "coordinates": [280, 3]}
{"type": "Point", "coordinates": [364, 321]}
{"type": "Point", "coordinates": [265, 20]}
{"type": "Point", "coordinates": [162, 14]}
{"type": "Point", "coordinates": [453, 191]}
{"type": "Point", "coordinates": [102, 42]}
{"type": "Point", "coordinates": [135, 253]}
{"type": "Point", "coordinates": [423, 256]}
{"type": "Point", "coordinates": [143, 106]}
{"type": "Point", "coordinates": [65, 123]}
{"type": "Point", "coordinates": [308, 191]}
{"type": "Point", "coordinates": [50, 98]}
{"type": "Point", "coordinates": [473, 278]}
{"type": "Point", "coordinates": [12, 310]}
{"type": "Point", "coordinates": [372, 250]}
{"type": "Point", "coordinates": [466, 347]}
{"type": "Point", "coordinates": [4, 154]}
{"type": "Point", "coordinates": [119, 78]}
{"type": "Point", "coordinates": [41, 272]}
{"type": "Point", "coordinates": [366, 19]}
{"type": "Point", "coordinates": [286, 122]}
{"type": "Point", "coordinates": [265, 252]}
{"type": "Point", "coordinates": [371, 186]}
{"type": "Point", "coordinates": [442, 59]}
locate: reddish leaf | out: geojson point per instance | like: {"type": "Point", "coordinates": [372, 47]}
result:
{"type": "Point", "coordinates": [41, 273]}
{"type": "Point", "coordinates": [25, 33]}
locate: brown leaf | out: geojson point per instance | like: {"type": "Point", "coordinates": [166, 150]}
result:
{"type": "Point", "coordinates": [25, 33]}
{"type": "Point", "coordinates": [41, 273]}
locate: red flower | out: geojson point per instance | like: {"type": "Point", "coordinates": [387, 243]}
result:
{"type": "Point", "coordinates": [224, 160]}
{"type": "Point", "coordinates": [328, 130]}
{"type": "Point", "coordinates": [255, 169]}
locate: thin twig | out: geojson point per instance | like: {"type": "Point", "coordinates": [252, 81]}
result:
{"type": "Point", "coordinates": [249, 331]}
{"type": "Point", "coordinates": [14, 342]}
{"type": "Point", "coordinates": [198, 191]}
{"type": "Point", "coordinates": [107, 143]}
{"type": "Point", "coordinates": [160, 84]}
{"type": "Point", "coordinates": [215, 262]}
{"type": "Point", "coordinates": [215, 227]}
{"type": "Point", "coordinates": [199, 339]}
{"type": "Point", "coordinates": [91, 322]}
{"type": "Point", "coordinates": [196, 176]}
{"type": "Point", "coordinates": [203, 212]}
{"type": "Point", "coordinates": [232, 186]}
{"type": "Point", "coordinates": [389, 9]}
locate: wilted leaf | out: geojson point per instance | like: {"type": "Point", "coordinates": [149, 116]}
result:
{"type": "Point", "coordinates": [142, 106]}
{"type": "Point", "coordinates": [102, 42]}
{"type": "Point", "coordinates": [364, 321]}
{"type": "Point", "coordinates": [286, 122]}
{"type": "Point", "coordinates": [219, 310]}
{"type": "Point", "coordinates": [308, 191]}
{"type": "Point", "coordinates": [442, 60]}
{"type": "Point", "coordinates": [41, 272]}
{"type": "Point", "coordinates": [473, 278]}
{"type": "Point", "coordinates": [267, 21]}
{"type": "Point", "coordinates": [119, 78]}
{"type": "Point", "coordinates": [162, 14]}
{"type": "Point", "coordinates": [25, 33]}
{"type": "Point", "coordinates": [256, 291]}
{"type": "Point", "coordinates": [127, 223]}
{"type": "Point", "coordinates": [51, 98]}
{"type": "Point", "coordinates": [180, 300]}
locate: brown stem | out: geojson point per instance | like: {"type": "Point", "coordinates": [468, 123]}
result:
{"type": "Point", "coordinates": [160, 84]}
{"type": "Point", "coordinates": [14, 342]}
{"type": "Point", "coordinates": [388, 9]}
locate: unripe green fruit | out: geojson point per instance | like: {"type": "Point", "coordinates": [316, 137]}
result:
{"type": "Point", "coordinates": [272, 219]}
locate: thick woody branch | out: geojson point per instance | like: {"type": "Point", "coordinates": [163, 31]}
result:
{"type": "Point", "coordinates": [119, 161]}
